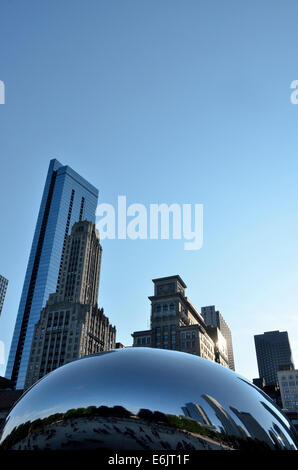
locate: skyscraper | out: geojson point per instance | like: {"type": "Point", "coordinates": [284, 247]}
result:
{"type": "Point", "coordinates": [67, 198]}
{"type": "Point", "coordinates": [273, 350]}
{"type": "Point", "coordinates": [3, 289]}
{"type": "Point", "coordinates": [71, 325]}
{"type": "Point", "coordinates": [213, 317]}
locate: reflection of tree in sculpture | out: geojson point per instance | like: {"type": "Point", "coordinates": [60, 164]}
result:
{"type": "Point", "coordinates": [188, 433]}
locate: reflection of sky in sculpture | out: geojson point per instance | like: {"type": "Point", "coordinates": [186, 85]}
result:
{"type": "Point", "coordinates": [157, 380]}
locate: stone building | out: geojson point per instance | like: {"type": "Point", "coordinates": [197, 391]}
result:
{"type": "Point", "coordinates": [175, 322]}
{"type": "Point", "coordinates": [213, 317]}
{"type": "Point", "coordinates": [288, 384]}
{"type": "Point", "coordinates": [220, 345]}
{"type": "Point", "coordinates": [71, 325]}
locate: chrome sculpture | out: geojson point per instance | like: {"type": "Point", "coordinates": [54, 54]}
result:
{"type": "Point", "coordinates": [145, 398]}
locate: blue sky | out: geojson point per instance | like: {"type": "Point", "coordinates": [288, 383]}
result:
{"type": "Point", "coordinates": [161, 101]}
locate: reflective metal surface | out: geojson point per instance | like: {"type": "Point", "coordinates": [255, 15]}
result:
{"type": "Point", "coordinates": [112, 396]}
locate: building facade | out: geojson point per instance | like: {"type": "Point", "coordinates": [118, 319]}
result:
{"type": "Point", "coordinates": [175, 322]}
{"type": "Point", "coordinates": [220, 345]}
{"type": "Point", "coordinates": [273, 351]}
{"type": "Point", "coordinates": [67, 198]}
{"type": "Point", "coordinates": [8, 397]}
{"type": "Point", "coordinates": [3, 289]}
{"type": "Point", "coordinates": [213, 317]}
{"type": "Point", "coordinates": [288, 385]}
{"type": "Point", "coordinates": [71, 325]}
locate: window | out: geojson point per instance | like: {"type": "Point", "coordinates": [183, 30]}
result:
{"type": "Point", "coordinates": [165, 307]}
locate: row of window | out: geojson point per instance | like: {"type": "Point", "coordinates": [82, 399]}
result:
{"type": "Point", "coordinates": [144, 340]}
{"type": "Point", "coordinates": [188, 345]}
{"type": "Point", "coordinates": [164, 307]}
{"type": "Point", "coordinates": [165, 329]}
{"type": "Point", "coordinates": [164, 318]}
{"type": "Point", "coordinates": [188, 335]}
{"type": "Point", "coordinates": [291, 383]}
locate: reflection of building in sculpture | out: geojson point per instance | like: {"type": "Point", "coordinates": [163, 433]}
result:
{"type": "Point", "coordinates": [277, 417]}
{"type": "Point", "coordinates": [228, 424]}
{"type": "Point", "coordinates": [71, 325]}
{"type": "Point", "coordinates": [281, 437]}
{"type": "Point", "coordinates": [251, 424]}
{"type": "Point", "coordinates": [197, 412]}
{"type": "Point", "coordinates": [175, 322]}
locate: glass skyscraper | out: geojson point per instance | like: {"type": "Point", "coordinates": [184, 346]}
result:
{"type": "Point", "coordinates": [67, 198]}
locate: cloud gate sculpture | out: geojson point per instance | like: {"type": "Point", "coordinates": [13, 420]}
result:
{"type": "Point", "coordinates": [145, 399]}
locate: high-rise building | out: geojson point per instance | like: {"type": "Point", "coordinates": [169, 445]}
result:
{"type": "Point", "coordinates": [273, 351]}
{"type": "Point", "coordinates": [220, 345]}
{"type": "Point", "coordinates": [3, 289]}
{"type": "Point", "coordinates": [67, 198]}
{"type": "Point", "coordinates": [288, 385]}
{"type": "Point", "coordinates": [175, 322]}
{"type": "Point", "coordinates": [71, 325]}
{"type": "Point", "coordinates": [213, 317]}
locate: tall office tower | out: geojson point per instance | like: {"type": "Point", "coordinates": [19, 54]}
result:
{"type": "Point", "coordinates": [67, 198]}
{"type": "Point", "coordinates": [3, 289]}
{"type": "Point", "coordinates": [213, 317]}
{"type": "Point", "coordinates": [273, 351]}
{"type": "Point", "coordinates": [71, 325]}
{"type": "Point", "coordinates": [175, 322]}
